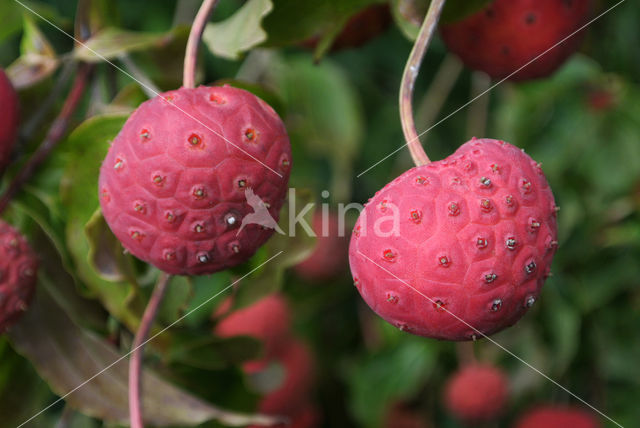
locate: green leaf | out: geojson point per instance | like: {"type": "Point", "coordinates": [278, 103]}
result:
{"type": "Point", "coordinates": [240, 32]}
{"type": "Point", "coordinates": [409, 14]}
{"type": "Point", "coordinates": [455, 10]}
{"type": "Point", "coordinates": [204, 288]}
{"type": "Point", "coordinates": [23, 392]}
{"type": "Point", "coordinates": [293, 21]}
{"type": "Point", "coordinates": [37, 60]}
{"type": "Point", "coordinates": [111, 42]}
{"type": "Point", "coordinates": [390, 375]}
{"type": "Point", "coordinates": [11, 13]}
{"type": "Point", "coordinates": [206, 352]}
{"type": "Point", "coordinates": [84, 150]}
{"type": "Point", "coordinates": [66, 356]}
{"type": "Point", "coordinates": [106, 253]}
{"type": "Point", "coordinates": [294, 246]}
{"type": "Point", "coordinates": [326, 116]}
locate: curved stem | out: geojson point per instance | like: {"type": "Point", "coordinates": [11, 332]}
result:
{"type": "Point", "coordinates": [140, 339]}
{"type": "Point", "coordinates": [409, 78]}
{"type": "Point", "coordinates": [56, 132]}
{"type": "Point", "coordinates": [191, 54]}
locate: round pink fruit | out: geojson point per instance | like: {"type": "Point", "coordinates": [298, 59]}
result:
{"type": "Point", "coordinates": [457, 247]}
{"type": "Point", "coordinates": [186, 169]}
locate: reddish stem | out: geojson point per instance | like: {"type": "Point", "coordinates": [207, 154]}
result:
{"type": "Point", "coordinates": [56, 132]}
{"type": "Point", "coordinates": [191, 54]}
{"type": "Point", "coordinates": [137, 351]}
{"type": "Point", "coordinates": [409, 78]}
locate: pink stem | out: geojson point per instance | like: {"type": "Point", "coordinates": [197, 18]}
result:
{"type": "Point", "coordinates": [191, 54]}
{"type": "Point", "coordinates": [56, 132]}
{"type": "Point", "coordinates": [140, 339]}
{"type": "Point", "coordinates": [409, 78]}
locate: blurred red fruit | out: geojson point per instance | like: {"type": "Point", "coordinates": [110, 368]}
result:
{"type": "Point", "coordinates": [507, 34]}
{"type": "Point", "coordinates": [361, 28]}
{"type": "Point", "coordinates": [477, 393]}
{"type": "Point", "coordinates": [557, 417]}
{"type": "Point", "coordinates": [267, 320]}
{"type": "Point", "coordinates": [8, 119]}
{"type": "Point", "coordinates": [295, 388]}
{"type": "Point", "coordinates": [401, 416]}
{"type": "Point", "coordinates": [330, 256]}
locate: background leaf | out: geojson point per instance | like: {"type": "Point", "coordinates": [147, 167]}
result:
{"type": "Point", "coordinates": [66, 356]}
{"type": "Point", "coordinates": [238, 33]}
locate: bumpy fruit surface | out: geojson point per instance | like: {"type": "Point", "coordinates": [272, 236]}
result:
{"type": "Point", "coordinates": [295, 388]}
{"type": "Point", "coordinates": [470, 246]}
{"type": "Point", "coordinates": [174, 185]}
{"type": "Point", "coordinates": [267, 320]}
{"type": "Point", "coordinates": [8, 119]}
{"type": "Point", "coordinates": [558, 417]}
{"type": "Point", "coordinates": [18, 270]}
{"type": "Point", "coordinates": [329, 256]}
{"type": "Point", "coordinates": [476, 393]}
{"type": "Point", "coordinates": [507, 34]}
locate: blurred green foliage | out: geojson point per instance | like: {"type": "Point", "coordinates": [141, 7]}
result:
{"type": "Point", "coordinates": [583, 124]}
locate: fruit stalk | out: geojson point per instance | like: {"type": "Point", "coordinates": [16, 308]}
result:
{"type": "Point", "coordinates": [409, 78]}
{"type": "Point", "coordinates": [135, 363]}
{"type": "Point", "coordinates": [191, 54]}
{"type": "Point", "coordinates": [56, 132]}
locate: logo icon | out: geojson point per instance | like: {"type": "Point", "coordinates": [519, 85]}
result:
{"type": "Point", "coordinates": [260, 214]}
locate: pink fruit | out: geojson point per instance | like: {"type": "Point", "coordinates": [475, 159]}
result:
{"type": "Point", "coordinates": [18, 270]}
{"type": "Point", "coordinates": [8, 119]}
{"type": "Point", "coordinates": [470, 247]}
{"type": "Point", "coordinates": [267, 320]}
{"type": "Point", "coordinates": [174, 191]}
{"type": "Point", "coordinates": [507, 34]}
{"type": "Point", "coordinates": [476, 393]}
{"type": "Point", "coordinates": [557, 417]}
{"type": "Point", "coordinates": [328, 259]}
{"type": "Point", "coordinates": [294, 390]}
